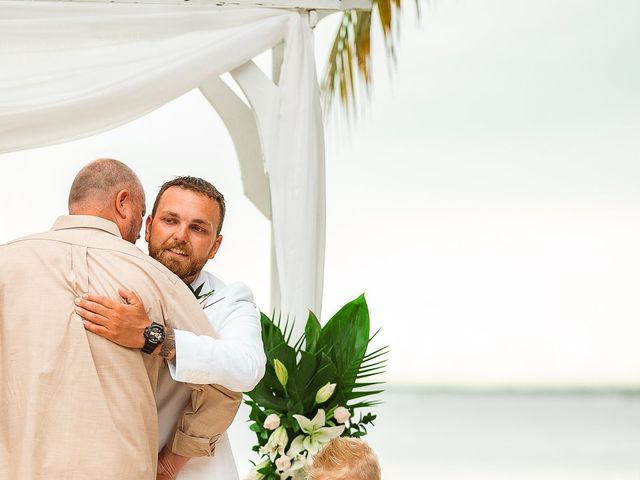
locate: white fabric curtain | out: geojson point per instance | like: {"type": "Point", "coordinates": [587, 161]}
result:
{"type": "Point", "coordinates": [69, 70]}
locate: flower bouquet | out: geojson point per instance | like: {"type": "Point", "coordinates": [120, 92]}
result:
{"type": "Point", "coordinates": [312, 389]}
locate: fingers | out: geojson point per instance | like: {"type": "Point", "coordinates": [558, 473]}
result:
{"type": "Point", "coordinates": [169, 464]}
{"type": "Point", "coordinates": [92, 306]}
{"type": "Point", "coordinates": [122, 323]}
{"type": "Point", "coordinates": [97, 329]}
{"type": "Point", "coordinates": [104, 301]}
{"type": "Point", "coordinates": [129, 296]}
{"type": "Point", "coordinates": [92, 317]}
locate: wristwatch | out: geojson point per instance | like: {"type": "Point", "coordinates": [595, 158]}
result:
{"type": "Point", "coordinates": [153, 336]}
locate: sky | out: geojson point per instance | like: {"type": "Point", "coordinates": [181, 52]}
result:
{"type": "Point", "coordinates": [486, 201]}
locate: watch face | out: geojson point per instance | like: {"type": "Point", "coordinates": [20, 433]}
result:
{"type": "Point", "coordinates": [154, 333]}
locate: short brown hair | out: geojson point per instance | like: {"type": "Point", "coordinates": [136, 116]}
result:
{"type": "Point", "coordinates": [195, 184]}
{"type": "Point", "coordinates": [345, 458]}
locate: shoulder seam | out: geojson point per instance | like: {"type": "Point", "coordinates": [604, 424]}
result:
{"type": "Point", "coordinates": [143, 257]}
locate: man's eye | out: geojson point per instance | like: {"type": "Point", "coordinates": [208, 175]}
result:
{"type": "Point", "coordinates": [169, 220]}
{"type": "Point", "coordinates": [195, 228]}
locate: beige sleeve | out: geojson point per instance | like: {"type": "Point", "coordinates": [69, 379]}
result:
{"type": "Point", "coordinates": [211, 411]}
{"type": "Point", "coordinates": [212, 407]}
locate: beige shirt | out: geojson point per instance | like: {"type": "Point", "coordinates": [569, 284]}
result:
{"type": "Point", "coordinates": [74, 405]}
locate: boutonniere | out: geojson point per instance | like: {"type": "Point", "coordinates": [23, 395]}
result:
{"type": "Point", "coordinates": [201, 297]}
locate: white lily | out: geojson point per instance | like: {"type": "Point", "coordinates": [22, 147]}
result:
{"type": "Point", "coordinates": [283, 463]}
{"type": "Point", "coordinates": [253, 474]}
{"type": "Point", "coordinates": [317, 435]}
{"type": "Point", "coordinates": [276, 443]}
{"type": "Point", "coordinates": [297, 469]}
{"type": "Point", "coordinates": [299, 475]}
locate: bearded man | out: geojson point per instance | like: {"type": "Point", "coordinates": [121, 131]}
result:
{"type": "Point", "coordinates": [183, 233]}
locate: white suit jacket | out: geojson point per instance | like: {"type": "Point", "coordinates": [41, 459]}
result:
{"type": "Point", "coordinates": [234, 359]}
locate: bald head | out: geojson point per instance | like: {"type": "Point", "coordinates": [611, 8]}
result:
{"type": "Point", "coordinates": [109, 189]}
{"type": "Point", "coordinates": [97, 184]}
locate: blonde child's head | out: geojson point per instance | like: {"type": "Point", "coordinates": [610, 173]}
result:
{"type": "Point", "coordinates": [345, 458]}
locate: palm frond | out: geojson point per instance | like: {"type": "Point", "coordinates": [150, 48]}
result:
{"type": "Point", "coordinates": [385, 10]}
{"type": "Point", "coordinates": [366, 404]}
{"type": "Point", "coordinates": [375, 354]}
{"type": "Point", "coordinates": [362, 376]}
{"type": "Point", "coordinates": [372, 370]}
{"type": "Point", "coordinates": [365, 384]}
{"type": "Point", "coordinates": [298, 345]}
{"type": "Point", "coordinates": [352, 46]}
{"type": "Point", "coordinates": [367, 393]}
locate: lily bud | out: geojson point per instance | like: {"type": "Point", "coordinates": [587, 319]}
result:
{"type": "Point", "coordinates": [276, 443]}
{"type": "Point", "coordinates": [254, 475]}
{"type": "Point", "coordinates": [280, 437]}
{"type": "Point", "coordinates": [281, 372]}
{"type": "Point", "coordinates": [325, 393]}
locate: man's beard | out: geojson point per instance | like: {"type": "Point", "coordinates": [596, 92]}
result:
{"type": "Point", "coordinates": [133, 232]}
{"type": "Point", "coordinates": [129, 236]}
{"type": "Point", "coordinates": [185, 268]}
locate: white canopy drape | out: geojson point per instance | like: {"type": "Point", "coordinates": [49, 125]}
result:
{"type": "Point", "coordinates": [70, 70]}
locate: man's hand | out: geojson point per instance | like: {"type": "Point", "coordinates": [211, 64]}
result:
{"type": "Point", "coordinates": [169, 464]}
{"type": "Point", "coordinates": [122, 323]}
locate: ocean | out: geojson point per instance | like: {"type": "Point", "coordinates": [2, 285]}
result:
{"type": "Point", "coordinates": [497, 436]}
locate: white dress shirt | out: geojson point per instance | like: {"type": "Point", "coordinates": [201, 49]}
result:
{"type": "Point", "coordinates": [234, 359]}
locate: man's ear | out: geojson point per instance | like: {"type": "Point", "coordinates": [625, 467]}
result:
{"type": "Point", "coordinates": [147, 228]}
{"type": "Point", "coordinates": [216, 246]}
{"type": "Point", "coordinates": [123, 198]}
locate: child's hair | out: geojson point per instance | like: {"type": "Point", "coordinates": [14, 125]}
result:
{"type": "Point", "coordinates": [345, 458]}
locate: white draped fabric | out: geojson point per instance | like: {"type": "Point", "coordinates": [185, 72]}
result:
{"type": "Point", "coordinates": [69, 70]}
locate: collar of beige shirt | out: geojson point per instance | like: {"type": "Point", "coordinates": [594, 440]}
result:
{"type": "Point", "coordinates": [65, 222]}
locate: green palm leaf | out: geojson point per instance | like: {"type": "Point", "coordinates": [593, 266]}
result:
{"type": "Point", "coordinates": [345, 338]}
{"type": "Point", "coordinates": [312, 333]}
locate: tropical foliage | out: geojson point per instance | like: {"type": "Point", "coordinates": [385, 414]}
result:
{"type": "Point", "coordinates": [313, 389]}
{"type": "Point", "coordinates": [349, 69]}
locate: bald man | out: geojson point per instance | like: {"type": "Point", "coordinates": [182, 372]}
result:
{"type": "Point", "coordinates": [74, 405]}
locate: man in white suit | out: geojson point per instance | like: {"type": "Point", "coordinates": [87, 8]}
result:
{"type": "Point", "coordinates": [183, 233]}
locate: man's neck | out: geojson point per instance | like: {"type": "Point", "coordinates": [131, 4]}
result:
{"type": "Point", "coordinates": [191, 278]}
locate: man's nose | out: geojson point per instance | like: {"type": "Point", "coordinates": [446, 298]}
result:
{"type": "Point", "coordinates": [180, 234]}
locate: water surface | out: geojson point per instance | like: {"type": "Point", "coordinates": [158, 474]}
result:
{"type": "Point", "coordinates": [498, 436]}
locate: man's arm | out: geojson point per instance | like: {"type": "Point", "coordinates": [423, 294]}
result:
{"type": "Point", "coordinates": [121, 323]}
{"type": "Point", "coordinates": [169, 464]}
{"type": "Point", "coordinates": [212, 407]}
{"type": "Point", "coordinates": [234, 359]}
